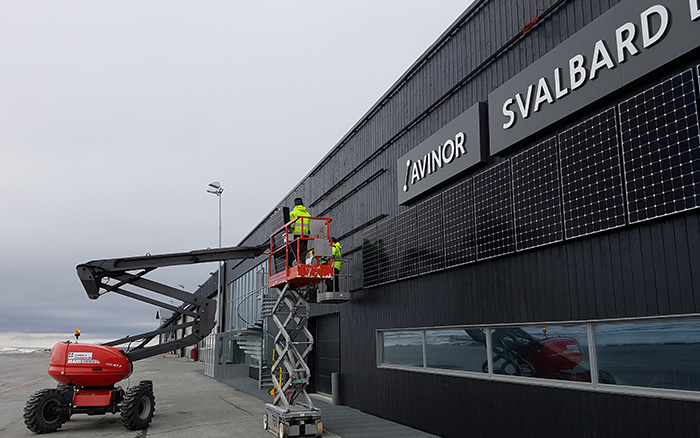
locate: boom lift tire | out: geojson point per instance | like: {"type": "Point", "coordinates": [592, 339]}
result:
{"type": "Point", "coordinates": [43, 413]}
{"type": "Point", "coordinates": [138, 406]}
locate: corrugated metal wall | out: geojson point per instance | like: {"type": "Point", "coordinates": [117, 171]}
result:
{"type": "Point", "coordinates": [647, 269]}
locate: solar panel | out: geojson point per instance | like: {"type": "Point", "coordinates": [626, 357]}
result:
{"type": "Point", "coordinates": [493, 212]}
{"type": "Point", "coordinates": [370, 253]}
{"type": "Point", "coordinates": [536, 198]}
{"type": "Point", "coordinates": [407, 249]}
{"type": "Point", "coordinates": [430, 235]}
{"type": "Point", "coordinates": [386, 250]}
{"type": "Point", "coordinates": [458, 214]}
{"type": "Point", "coordinates": [661, 149]}
{"type": "Point", "coordinates": [591, 176]}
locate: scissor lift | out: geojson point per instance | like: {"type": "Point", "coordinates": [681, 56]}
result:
{"type": "Point", "coordinates": [298, 263]}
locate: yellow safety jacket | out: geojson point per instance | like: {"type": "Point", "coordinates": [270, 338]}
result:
{"type": "Point", "coordinates": [297, 211]}
{"type": "Point", "coordinates": [337, 256]}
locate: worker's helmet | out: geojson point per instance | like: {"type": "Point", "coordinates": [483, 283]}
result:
{"type": "Point", "coordinates": [298, 201]}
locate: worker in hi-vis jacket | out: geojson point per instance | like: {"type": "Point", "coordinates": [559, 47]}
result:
{"type": "Point", "coordinates": [299, 211]}
{"type": "Point", "coordinates": [337, 264]}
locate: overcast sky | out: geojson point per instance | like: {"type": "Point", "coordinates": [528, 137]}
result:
{"type": "Point", "coordinates": [115, 115]}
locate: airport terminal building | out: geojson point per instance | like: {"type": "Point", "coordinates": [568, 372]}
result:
{"type": "Point", "coordinates": [520, 230]}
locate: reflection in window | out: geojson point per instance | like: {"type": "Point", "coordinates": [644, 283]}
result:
{"type": "Point", "coordinates": [403, 348]}
{"type": "Point", "coordinates": [656, 354]}
{"type": "Point", "coordinates": [553, 352]}
{"type": "Point", "coordinates": [456, 349]}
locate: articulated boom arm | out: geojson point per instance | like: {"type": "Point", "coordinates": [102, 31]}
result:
{"type": "Point", "coordinates": [110, 275]}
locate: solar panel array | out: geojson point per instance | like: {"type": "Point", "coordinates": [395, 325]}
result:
{"type": "Point", "coordinates": [407, 248]}
{"type": "Point", "coordinates": [536, 198]}
{"type": "Point", "coordinates": [661, 149]}
{"type": "Point", "coordinates": [370, 259]}
{"type": "Point", "coordinates": [430, 235]}
{"type": "Point", "coordinates": [633, 162]}
{"type": "Point", "coordinates": [386, 249]}
{"type": "Point", "coordinates": [591, 176]}
{"type": "Point", "coordinates": [493, 212]}
{"type": "Point", "coordinates": [460, 232]}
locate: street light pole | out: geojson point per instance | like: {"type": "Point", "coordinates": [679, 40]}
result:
{"type": "Point", "coordinates": [216, 189]}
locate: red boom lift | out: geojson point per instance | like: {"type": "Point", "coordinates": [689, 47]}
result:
{"type": "Point", "coordinates": [87, 374]}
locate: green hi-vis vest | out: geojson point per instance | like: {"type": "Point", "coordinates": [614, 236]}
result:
{"type": "Point", "coordinates": [297, 211]}
{"type": "Point", "coordinates": [337, 256]}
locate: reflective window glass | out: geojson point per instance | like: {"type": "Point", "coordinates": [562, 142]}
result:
{"type": "Point", "coordinates": [656, 355]}
{"type": "Point", "coordinates": [403, 348]}
{"type": "Point", "coordinates": [463, 349]}
{"type": "Point", "coordinates": [552, 352]}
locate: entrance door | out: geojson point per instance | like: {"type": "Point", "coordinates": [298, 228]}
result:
{"type": "Point", "coordinates": [327, 352]}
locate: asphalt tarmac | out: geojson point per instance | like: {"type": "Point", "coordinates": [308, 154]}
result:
{"type": "Point", "coordinates": [188, 403]}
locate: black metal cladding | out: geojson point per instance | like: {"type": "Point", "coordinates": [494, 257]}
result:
{"type": "Point", "coordinates": [645, 268]}
{"type": "Point", "coordinates": [660, 131]}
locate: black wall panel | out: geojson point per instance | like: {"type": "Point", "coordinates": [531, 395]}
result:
{"type": "Point", "coordinates": [645, 269]}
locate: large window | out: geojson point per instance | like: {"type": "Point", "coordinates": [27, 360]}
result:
{"type": "Point", "coordinates": [403, 348]}
{"type": "Point", "coordinates": [656, 355]}
{"type": "Point", "coordinates": [455, 349]}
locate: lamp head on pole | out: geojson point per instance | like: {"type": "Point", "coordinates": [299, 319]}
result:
{"type": "Point", "coordinates": [215, 188]}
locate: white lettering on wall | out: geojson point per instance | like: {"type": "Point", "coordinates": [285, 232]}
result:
{"type": "Point", "coordinates": [625, 42]}
{"type": "Point", "coordinates": [647, 38]}
{"type": "Point", "coordinates": [601, 58]}
{"type": "Point", "coordinates": [508, 113]}
{"type": "Point", "coordinates": [654, 24]}
{"type": "Point", "coordinates": [434, 160]}
{"type": "Point", "coordinates": [558, 91]}
{"type": "Point", "coordinates": [694, 9]}
{"type": "Point", "coordinates": [543, 94]}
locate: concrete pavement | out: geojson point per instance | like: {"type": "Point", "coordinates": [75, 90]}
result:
{"type": "Point", "coordinates": [188, 403]}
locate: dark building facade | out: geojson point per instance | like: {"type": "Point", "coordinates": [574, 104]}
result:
{"type": "Point", "coordinates": [520, 228]}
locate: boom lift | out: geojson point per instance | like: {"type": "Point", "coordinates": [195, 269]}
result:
{"type": "Point", "coordinates": [292, 412]}
{"type": "Point", "coordinates": [87, 373]}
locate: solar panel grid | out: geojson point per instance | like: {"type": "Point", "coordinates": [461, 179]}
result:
{"type": "Point", "coordinates": [407, 244]}
{"type": "Point", "coordinates": [430, 235]}
{"type": "Point", "coordinates": [661, 149]}
{"type": "Point", "coordinates": [458, 214]}
{"type": "Point", "coordinates": [386, 248]}
{"type": "Point", "coordinates": [591, 176]}
{"type": "Point", "coordinates": [493, 212]}
{"type": "Point", "coordinates": [536, 198]}
{"type": "Point", "coordinates": [369, 256]}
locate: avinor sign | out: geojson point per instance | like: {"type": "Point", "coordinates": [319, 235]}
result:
{"type": "Point", "coordinates": [454, 148]}
{"type": "Point", "coordinates": [630, 40]}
